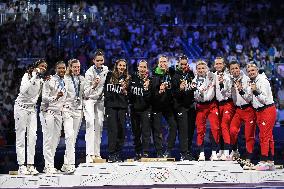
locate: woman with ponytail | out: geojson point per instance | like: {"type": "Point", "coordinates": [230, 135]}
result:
{"type": "Point", "coordinates": [184, 108]}
{"type": "Point", "coordinates": [94, 105]}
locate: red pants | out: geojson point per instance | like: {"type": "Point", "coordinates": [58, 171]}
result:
{"type": "Point", "coordinates": [209, 110]}
{"type": "Point", "coordinates": [266, 120]}
{"type": "Point", "coordinates": [226, 113]}
{"type": "Point", "coordinates": [247, 116]}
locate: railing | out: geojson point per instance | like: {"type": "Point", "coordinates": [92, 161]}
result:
{"type": "Point", "coordinates": [27, 16]}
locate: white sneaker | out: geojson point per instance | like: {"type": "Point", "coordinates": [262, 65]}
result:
{"type": "Point", "coordinates": [64, 168]}
{"type": "Point", "coordinates": [23, 170]}
{"type": "Point", "coordinates": [262, 166]}
{"type": "Point", "coordinates": [97, 157]}
{"type": "Point", "coordinates": [52, 170]}
{"type": "Point", "coordinates": [70, 169]}
{"type": "Point", "coordinates": [201, 157]}
{"type": "Point", "coordinates": [214, 157]}
{"type": "Point", "coordinates": [225, 158]}
{"type": "Point", "coordinates": [89, 159]}
{"type": "Point", "coordinates": [271, 166]}
{"type": "Point", "coordinates": [248, 165]}
{"type": "Point", "coordinates": [235, 155]}
{"type": "Point", "coordinates": [32, 170]}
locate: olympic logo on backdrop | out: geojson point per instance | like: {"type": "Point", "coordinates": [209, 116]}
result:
{"type": "Point", "coordinates": [159, 175]}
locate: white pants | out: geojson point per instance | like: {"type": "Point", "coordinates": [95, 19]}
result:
{"type": "Point", "coordinates": [53, 122]}
{"type": "Point", "coordinates": [25, 120]}
{"type": "Point", "coordinates": [94, 115]}
{"type": "Point", "coordinates": [44, 130]}
{"type": "Point", "coordinates": [71, 121]}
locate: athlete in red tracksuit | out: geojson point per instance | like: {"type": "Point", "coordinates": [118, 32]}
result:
{"type": "Point", "coordinates": [263, 102]}
{"type": "Point", "coordinates": [204, 85]}
{"type": "Point", "coordinates": [225, 104]}
{"type": "Point", "coordinates": [242, 97]}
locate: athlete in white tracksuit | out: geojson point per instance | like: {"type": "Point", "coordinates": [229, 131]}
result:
{"type": "Point", "coordinates": [225, 105]}
{"type": "Point", "coordinates": [242, 96]}
{"type": "Point", "coordinates": [94, 106]}
{"type": "Point", "coordinates": [263, 103]}
{"type": "Point", "coordinates": [204, 85]}
{"type": "Point", "coordinates": [72, 112]}
{"type": "Point", "coordinates": [25, 116]}
{"type": "Point", "coordinates": [53, 96]}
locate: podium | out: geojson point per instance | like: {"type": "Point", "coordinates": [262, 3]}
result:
{"type": "Point", "coordinates": [166, 173]}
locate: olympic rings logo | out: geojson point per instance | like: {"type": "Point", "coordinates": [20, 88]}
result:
{"type": "Point", "coordinates": [159, 175]}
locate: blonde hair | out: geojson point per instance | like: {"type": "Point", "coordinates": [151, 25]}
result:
{"type": "Point", "coordinates": [70, 63]}
{"type": "Point", "coordinates": [219, 58]}
{"type": "Point", "coordinates": [201, 62]}
{"type": "Point", "coordinates": [163, 56]}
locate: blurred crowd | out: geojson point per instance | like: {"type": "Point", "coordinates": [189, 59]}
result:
{"type": "Point", "coordinates": [242, 30]}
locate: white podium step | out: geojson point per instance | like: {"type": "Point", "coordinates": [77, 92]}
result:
{"type": "Point", "coordinates": [146, 173]}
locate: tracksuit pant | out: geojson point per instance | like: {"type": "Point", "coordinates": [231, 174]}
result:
{"type": "Point", "coordinates": [245, 114]}
{"type": "Point", "coordinates": [44, 130]}
{"type": "Point", "coordinates": [265, 119]}
{"type": "Point", "coordinates": [94, 116]}
{"type": "Point", "coordinates": [71, 121]}
{"type": "Point", "coordinates": [53, 120]}
{"type": "Point", "coordinates": [25, 121]}
{"type": "Point", "coordinates": [157, 130]}
{"type": "Point", "coordinates": [140, 122]}
{"type": "Point", "coordinates": [207, 110]}
{"type": "Point", "coordinates": [182, 128]}
{"type": "Point", "coordinates": [226, 113]}
{"type": "Point", "coordinates": [116, 118]}
{"type": "Point", "coordinates": [191, 117]}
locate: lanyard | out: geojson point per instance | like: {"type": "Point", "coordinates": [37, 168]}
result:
{"type": "Point", "coordinates": [76, 87]}
{"type": "Point", "coordinates": [61, 83]}
{"type": "Point", "coordinates": [98, 70]}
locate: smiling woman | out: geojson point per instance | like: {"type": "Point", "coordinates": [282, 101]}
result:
{"type": "Point", "coordinates": [263, 103]}
{"type": "Point", "coordinates": [72, 111]}
{"type": "Point", "coordinates": [116, 103]}
{"type": "Point", "coordinates": [25, 116]}
{"type": "Point", "coordinates": [139, 98]}
{"type": "Point", "coordinates": [206, 108]}
{"type": "Point", "coordinates": [73, 67]}
{"type": "Point", "coordinates": [53, 98]}
{"type": "Point", "coordinates": [94, 105]}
